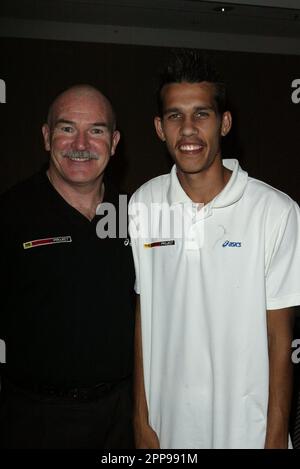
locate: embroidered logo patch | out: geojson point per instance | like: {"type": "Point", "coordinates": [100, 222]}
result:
{"type": "Point", "coordinates": [158, 244]}
{"type": "Point", "coordinates": [45, 241]}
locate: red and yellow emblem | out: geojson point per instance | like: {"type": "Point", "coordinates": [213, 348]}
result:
{"type": "Point", "coordinates": [44, 241]}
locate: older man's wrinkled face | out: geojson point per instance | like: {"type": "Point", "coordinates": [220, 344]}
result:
{"type": "Point", "coordinates": [80, 137]}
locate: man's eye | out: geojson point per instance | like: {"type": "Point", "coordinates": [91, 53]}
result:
{"type": "Point", "coordinates": [202, 114]}
{"type": "Point", "coordinates": [67, 128]}
{"type": "Point", "coordinates": [97, 131]}
{"type": "Point", "coordinates": [174, 116]}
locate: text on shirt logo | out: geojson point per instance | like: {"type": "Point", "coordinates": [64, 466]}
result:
{"type": "Point", "coordinates": [45, 241]}
{"type": "Point", "coordinates": [159, 244]}
{"type": "Point", "coordinates": [232, 244]}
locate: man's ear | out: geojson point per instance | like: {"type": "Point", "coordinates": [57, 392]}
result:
{"type": "Point", "coordinates": [159, 129]}
{"type": "Point", "coordinates": [115, 140]}
{"type": "Point", "coordinates": [226, 123]}
{"type": "Point", "coordinates": [46, 135]}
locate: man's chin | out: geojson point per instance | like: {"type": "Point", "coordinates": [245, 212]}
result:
{"type": "Point", "coordinates": [82, 177]}
{"type": "Point", "coordinates": [191, 168]}
{"type": "Point", "coordinates": [79, 179]}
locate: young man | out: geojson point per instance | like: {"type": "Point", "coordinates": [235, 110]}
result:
{"type": "Point", "coordinates": [67, 315]}
{"type": "Point", "coordinates": [217, 257]}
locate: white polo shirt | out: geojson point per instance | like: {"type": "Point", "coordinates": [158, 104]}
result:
{"type": "Point", "coordinates": [204, 297]}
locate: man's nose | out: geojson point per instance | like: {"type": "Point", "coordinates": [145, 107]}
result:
{"type": "Point", "coordinates": [188, 127]}
{"type": "Point", "coordinates": [81, 141]}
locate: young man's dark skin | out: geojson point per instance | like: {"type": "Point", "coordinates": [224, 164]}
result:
{"type": "Point", "coordinates": [192, 127]}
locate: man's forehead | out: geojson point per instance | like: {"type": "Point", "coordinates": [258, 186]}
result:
{"type": "Point", "coordinates": [188, 95]}
{"type": "Point", "coordinates": [80, 102]}
{"type": "Point", "coordinates": [77, 108]}
{"type": "Point", "coordinates": [82, 120]}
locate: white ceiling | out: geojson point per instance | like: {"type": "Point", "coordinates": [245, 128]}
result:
{"type": "Point", "coordinates": [251, 25]}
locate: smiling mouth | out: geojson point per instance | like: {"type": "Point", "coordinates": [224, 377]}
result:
{"type": "Point", "coordinates": [81, 155]}
{"type": "Point", "coordinates": [191, 147]}
{"type": "Point", "coordinates": [78, 158]}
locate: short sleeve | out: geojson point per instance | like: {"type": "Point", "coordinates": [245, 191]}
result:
{"type": "Point", "coordinates": [283, 273]}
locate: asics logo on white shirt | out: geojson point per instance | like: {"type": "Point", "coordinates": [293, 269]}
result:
{"type": "Point", "coordinates": [232, 244]}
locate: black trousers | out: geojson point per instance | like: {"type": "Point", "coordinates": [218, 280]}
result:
{"type": "Point", "coordinates": [30, 421]}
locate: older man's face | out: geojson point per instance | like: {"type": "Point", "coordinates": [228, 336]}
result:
{"type": "Point", "coordinates": [81, 139]}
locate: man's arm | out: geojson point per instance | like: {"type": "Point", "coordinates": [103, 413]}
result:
{"type": "Point", "coordinates": [145, 436]}
{"type": "Point", "coordinates": [280, 332]}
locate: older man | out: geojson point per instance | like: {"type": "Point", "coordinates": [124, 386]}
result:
{"type": "Point", "coordinates": [66, 316]}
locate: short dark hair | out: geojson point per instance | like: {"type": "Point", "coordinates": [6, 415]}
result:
{"type": "Point", "coordinates": [192, 66]}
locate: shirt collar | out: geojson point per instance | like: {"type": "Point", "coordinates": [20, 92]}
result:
{"type": "Point", "coordinates": [230, 194]}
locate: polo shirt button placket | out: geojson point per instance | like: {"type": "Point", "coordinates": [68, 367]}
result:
{"type": "Point", "coordinates": [194, 213]}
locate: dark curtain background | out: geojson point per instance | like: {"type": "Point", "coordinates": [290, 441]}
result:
{"type": "Point", "coordinates": [266, 130]}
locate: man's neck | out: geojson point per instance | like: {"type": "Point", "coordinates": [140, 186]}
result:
{"type": "Point", "coordinates": [83, 197]}
{"type": "Point", "coordinates": [204, 186]}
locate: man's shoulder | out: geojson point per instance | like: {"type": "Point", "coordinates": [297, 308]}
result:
{"type": "Point", "coordinates": [17, 195]}
{"type": "Point", "coordinates": [263, 193]}
{"type": "Point", "coordinates": [153, 190]}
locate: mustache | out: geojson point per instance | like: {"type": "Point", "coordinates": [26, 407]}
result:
{"type": "Point", "coordinates": [82, 154]}
{"type": "Point", "coordinates": [186, 141]}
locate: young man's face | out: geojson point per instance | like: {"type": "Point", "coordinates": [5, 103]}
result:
{"type": "Point", "coordinates": [191, 126]}
{"type": "Point", "coordinates": [80, 123]}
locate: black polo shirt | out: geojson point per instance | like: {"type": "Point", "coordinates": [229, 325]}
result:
{"type": "Point", "coordinates": [67, 314]}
